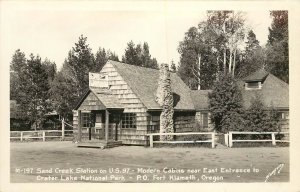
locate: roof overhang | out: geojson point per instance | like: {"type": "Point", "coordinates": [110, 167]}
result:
{"type": "Point", "coordinates": [96, 105]}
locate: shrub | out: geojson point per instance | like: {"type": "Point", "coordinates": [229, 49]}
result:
{"type": "Point", "coordinates": [226, 105]}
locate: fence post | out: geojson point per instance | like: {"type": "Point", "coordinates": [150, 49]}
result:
{"type": "Point", "coordinates": [63, 129]}
{"type": "Point", "coordinates": [44, 136]}
{"type": "Point", "coordinates": [213, 140]}
{"type": "Point", "coordinates": [273, 139]}
{"type": "Point", "coordinates": [151, 141]}
{"type": "Point", "coordinates": [21, 136]}
{"type": "Point", "coordinates": [226, 139]}
{"type": "Point", "coordinates": [230, 139]}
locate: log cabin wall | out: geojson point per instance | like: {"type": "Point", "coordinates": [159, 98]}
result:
{"type": "Point", "coordinates": [184, 122]}
{"type": "Point", "coordinates": [202, 124]}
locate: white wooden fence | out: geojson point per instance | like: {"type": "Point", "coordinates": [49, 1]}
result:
{"type": "Point", "coordinates": [229, 137]}
{"type": "Point", "coordinates": [211, 140]}
{"type": "Point", "coordinates": [43, 135]}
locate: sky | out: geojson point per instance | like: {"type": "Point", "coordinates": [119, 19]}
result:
{"type": "Point", "coordinates": [51, 30]}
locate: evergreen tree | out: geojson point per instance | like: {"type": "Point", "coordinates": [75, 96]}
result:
{"type": "Point", "coordinates": [101, 57]}
{"type": "Point", "coordinates": [72, 81]}
{"type": "Point", "coordinates": [278, 46]}
{"type": "Point", "coordinates": [112, 55]}
{"type": "Point", "coordinates": [62, 93]}
{"type": "Point", "coordinates": [17, 65]}
{"type": "Point", "coordinates": [131, 55]}
{"type": "Point", "coordinates": [259, 119]}
{"type": "Point", "coordinates": [139, 55]}
{"type": "Point", "coordinates": [79, 62]}
{"type": "Point", "coordinates": [100, 60]}
{"type": "Point", "coordinates": [50, 68]}
{"type": "Point", "coordinates": [226, 105]}
{"type": "Point", "coordinates": [253, 57]}
{"type": "Point", "coordinates": [34, 87]}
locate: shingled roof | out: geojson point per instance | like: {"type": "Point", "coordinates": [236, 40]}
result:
{"type": "Point", "coordinates": [259, 75]}
{"type": "Point", "coordinates": [105, 98]}
{"type": "Point", "coordinates": [274, 92]}
{"type": "Point", "coordinates": [200, 99]}
{"type": "Point", "coordinates": [144, 82]}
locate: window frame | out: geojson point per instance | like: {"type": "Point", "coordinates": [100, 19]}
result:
{"type": "Point", "coordinates": [204, 125]}
{"type": "Point", "coordinates": [85, 119]}
{"type": "Point", "coordinates": [250, 85]}
{"type": "Point", "coordinates": [128, 121]}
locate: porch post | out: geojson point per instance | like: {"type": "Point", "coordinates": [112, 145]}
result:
{"type": "Point", "coordinates": [106, 125]}
{"type": "Point", "coordinates": [79, 126]}
{"type": "Point", "coordinates": [63, 129]}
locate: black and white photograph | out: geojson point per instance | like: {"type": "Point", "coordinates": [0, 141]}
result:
{"type": "Point", "coordinates": [153, 92]}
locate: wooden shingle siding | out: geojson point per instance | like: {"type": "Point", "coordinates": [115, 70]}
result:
{"type": "Point", "coordinates": [132, 104]}
{"type": "Point", "coordinates": [91, 102]}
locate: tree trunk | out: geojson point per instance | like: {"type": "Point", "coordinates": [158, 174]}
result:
{"type": "Point", "coordinates": [218, 69]}
{"type": "Point", "coordinates": [234, 56]}
{"type": "Point", "coordinates": [224, 61]}
{"type": "Point", "coordinates": [199, 72]}
{"type": "Point", "coordinates": [230, 61]}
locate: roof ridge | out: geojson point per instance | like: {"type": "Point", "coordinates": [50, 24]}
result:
{"type": "Point", "coordinates": [130, 65]}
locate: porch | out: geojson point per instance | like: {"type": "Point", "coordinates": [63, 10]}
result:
{"type": "Point", "coordinates": [98, 117]}
{"type": "Point", "coordinates": [99, 128]}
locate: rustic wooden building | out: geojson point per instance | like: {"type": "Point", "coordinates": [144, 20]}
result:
{"type": "Point", "coordinates": [120, 104]}
{"type": "Point", "coordinates": [121, 100]}
{"type": "Point", "coordinates": [273, 92]}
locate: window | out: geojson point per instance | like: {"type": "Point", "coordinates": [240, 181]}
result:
{"type": "Point", "coordinates": [284, 115]}
{"type": "Point", "coordinates": [85, 119]}
{"type": "Point", "coordinates": [204, 118]}
{"type": "Point", "coordinates": [153, 125]}
{"type": "Point", "coordinates": [253, 85]}
{"type": "Point", "coordinates": [128, 120]}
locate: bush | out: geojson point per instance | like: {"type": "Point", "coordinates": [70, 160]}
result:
{"type": "Point", "coordinates": [258, 119]}
{"type": "Point", "coordinates": [228, 113]}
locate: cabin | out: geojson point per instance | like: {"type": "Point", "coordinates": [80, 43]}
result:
{"type": "Point", "coordinates": [273, 92]}
{"type": "Point", "coordinates": [120, 105]}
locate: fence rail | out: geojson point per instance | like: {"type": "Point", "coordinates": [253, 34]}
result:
{"type": "Point", "coordinates": [229, 137]}
{"type": "Point", "coordinates": [212, 140]}
{"type": "Point", "coordinates": [22, 135]}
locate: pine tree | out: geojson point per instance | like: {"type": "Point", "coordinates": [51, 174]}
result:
{"type": "Point", "coordinates": [253, 58]}
{"type": "Point", "coordinates": [34, 87]}
{"type": "Point", "coordinates": [17, 65]}
{"type": "Point", "coordinates": [50, 68]}
{"type": "Point", "coordinates": [278, 46]}
{"type": "Point", "coordinates": [63, 94]}
{"type": "Point", "coordinates": [80, 62]}
{"type": "Point", "coordinates": [139, 55]}
{"type": "Point", "coordinates": [101, 57]}
{"type": "Point", "coordinates": [164, 98]}
{"type": "Point", "coordinates": [72, 81]}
